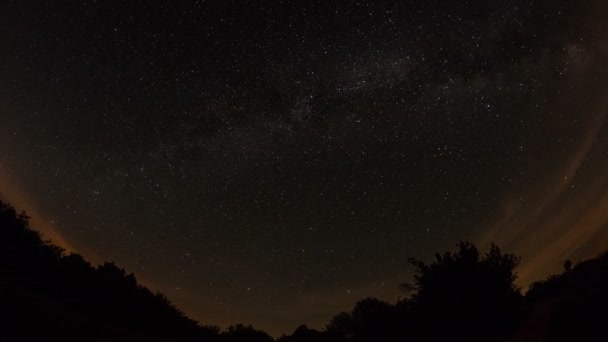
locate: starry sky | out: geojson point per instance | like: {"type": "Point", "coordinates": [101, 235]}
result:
{"type": "Point", "coordinates": [272, 162]}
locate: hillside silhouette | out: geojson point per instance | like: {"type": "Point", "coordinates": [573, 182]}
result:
{"type": "Point", "coordinates": [46, 294]}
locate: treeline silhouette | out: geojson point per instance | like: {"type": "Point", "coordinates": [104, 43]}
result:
{"type": "Point", "coordinates": [464, 295]}
{"type": "Point", "coordinates": [48, 295]}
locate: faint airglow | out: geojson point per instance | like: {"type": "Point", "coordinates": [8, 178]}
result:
{"type": "Point", "coordinates": [13, 193]}
{"type": "Point", "coordinates": [554, 224]}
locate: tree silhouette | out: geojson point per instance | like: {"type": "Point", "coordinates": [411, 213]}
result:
{"type": "Point", "coordinates": [242, 333]}
{"type": "Point", "coordinates": [341, 327]}
{"type": "Point", "coordinates": [46, 294]}
{"type": "Point", "coordinates": [305, 334]}
{"type": "Point", "coordinates": [462, 294]}
{"type": "Point", "coordinates": [466, 294]}
{"type": "Point", "coordinates": [570, 306]}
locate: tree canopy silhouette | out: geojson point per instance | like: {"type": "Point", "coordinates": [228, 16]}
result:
{"type": "Point", "coordinates": [461, 293]}
{"type": "Point", "coordinates": [46, 294]}
{"type": "Point", "coordinates": [467, 294]}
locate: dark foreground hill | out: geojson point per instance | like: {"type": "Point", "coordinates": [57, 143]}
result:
{"type": "Point", "coordinates": [462, 296]}
{"type": "Point", "coordinates": [572, 306]}
{"type": "Point", "coordinates": [46, 295]}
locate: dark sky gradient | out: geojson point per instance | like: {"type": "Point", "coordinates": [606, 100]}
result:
{"type": "Point", "coordinates": [272, 162]}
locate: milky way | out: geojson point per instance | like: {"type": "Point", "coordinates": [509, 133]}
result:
{"type": "Point", "coordinates": [272, 162]}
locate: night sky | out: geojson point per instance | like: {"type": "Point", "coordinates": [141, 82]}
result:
{"type": "Point", "coordinates": [273, 162]}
